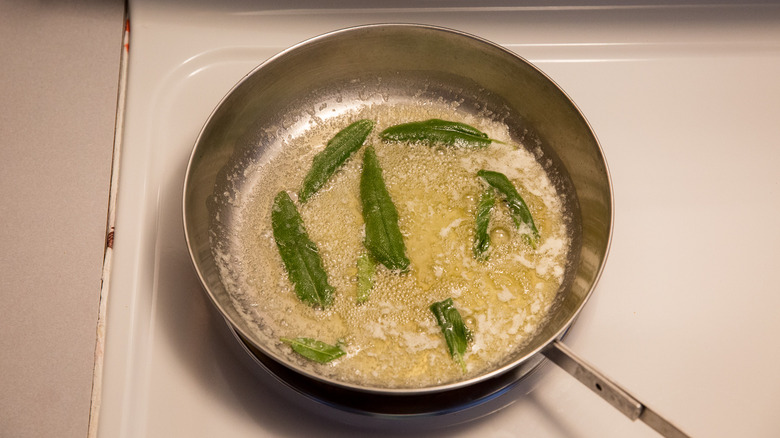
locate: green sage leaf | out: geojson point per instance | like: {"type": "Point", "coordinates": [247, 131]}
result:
{"type": "Point", "coordinates": [437, 131]}
{"type": "Point", "coordinates": [383, 236]}
{"type": "Point", "coordinates": [517, 207]}
{"type": "Point", "coordinates": [336, 152]}
{"type": "Point", "coordinates": [365, 277]}
{"type": "Point", "coordinates": [481, 235]}
{"type": "Point", "coordinates": [456, 334]}
{"type": "Point", "coordinates": [313, 349]}
{"type": "Point", "coordinates": [299, 254]}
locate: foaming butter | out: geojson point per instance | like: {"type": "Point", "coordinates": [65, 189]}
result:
{"type": "Point", "coordinates": [392, 340]}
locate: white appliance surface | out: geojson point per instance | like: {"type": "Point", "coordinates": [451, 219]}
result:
{"type": "Point", "coordinates": [686, 103]}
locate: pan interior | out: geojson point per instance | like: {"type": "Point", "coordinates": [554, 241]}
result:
{"type": "Point", "coordinates": [347, 72]}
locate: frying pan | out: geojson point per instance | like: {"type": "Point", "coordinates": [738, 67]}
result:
{"type": "Point", "coordinates": [348, 69]}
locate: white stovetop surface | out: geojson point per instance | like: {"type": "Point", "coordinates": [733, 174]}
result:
{"type": "Point", "coordinates": [685, 101]}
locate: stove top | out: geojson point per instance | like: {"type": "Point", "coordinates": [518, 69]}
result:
{"type": "Point", "coordinates": [684, 100]}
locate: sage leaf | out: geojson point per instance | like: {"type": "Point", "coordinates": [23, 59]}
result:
{"type": "Point", "coordinates": [437, 131]}
{"type": "Point", "coordinates": [313, 349]}
{"type": "Point", "coordinates": [456, 334]}
{"type": "Point", "coordinates": [517, 207]}
{"type": "Point", "coordinates": [383, 236]}
{"type": "Point", "coordinates": [481, 234]}
{"type": "Point", "coordinates": [365, 277]}
{"type": "Point", "coordinates": [299, 254]}
{"type": "Point", "coordinates": [336, 152]}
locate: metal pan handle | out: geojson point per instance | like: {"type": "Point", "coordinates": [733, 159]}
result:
{"type": "Point", "coordinates": [618, 397]}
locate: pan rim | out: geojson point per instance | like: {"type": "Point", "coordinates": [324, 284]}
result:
{"type": "Point", "coordinates": [391, 390]}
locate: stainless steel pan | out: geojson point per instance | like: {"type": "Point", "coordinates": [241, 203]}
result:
{"type": "Point", "coordinates": [354, 67]}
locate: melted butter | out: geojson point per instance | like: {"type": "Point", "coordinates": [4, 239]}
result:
{"type": "Point", "coordinates": [392, 340]}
